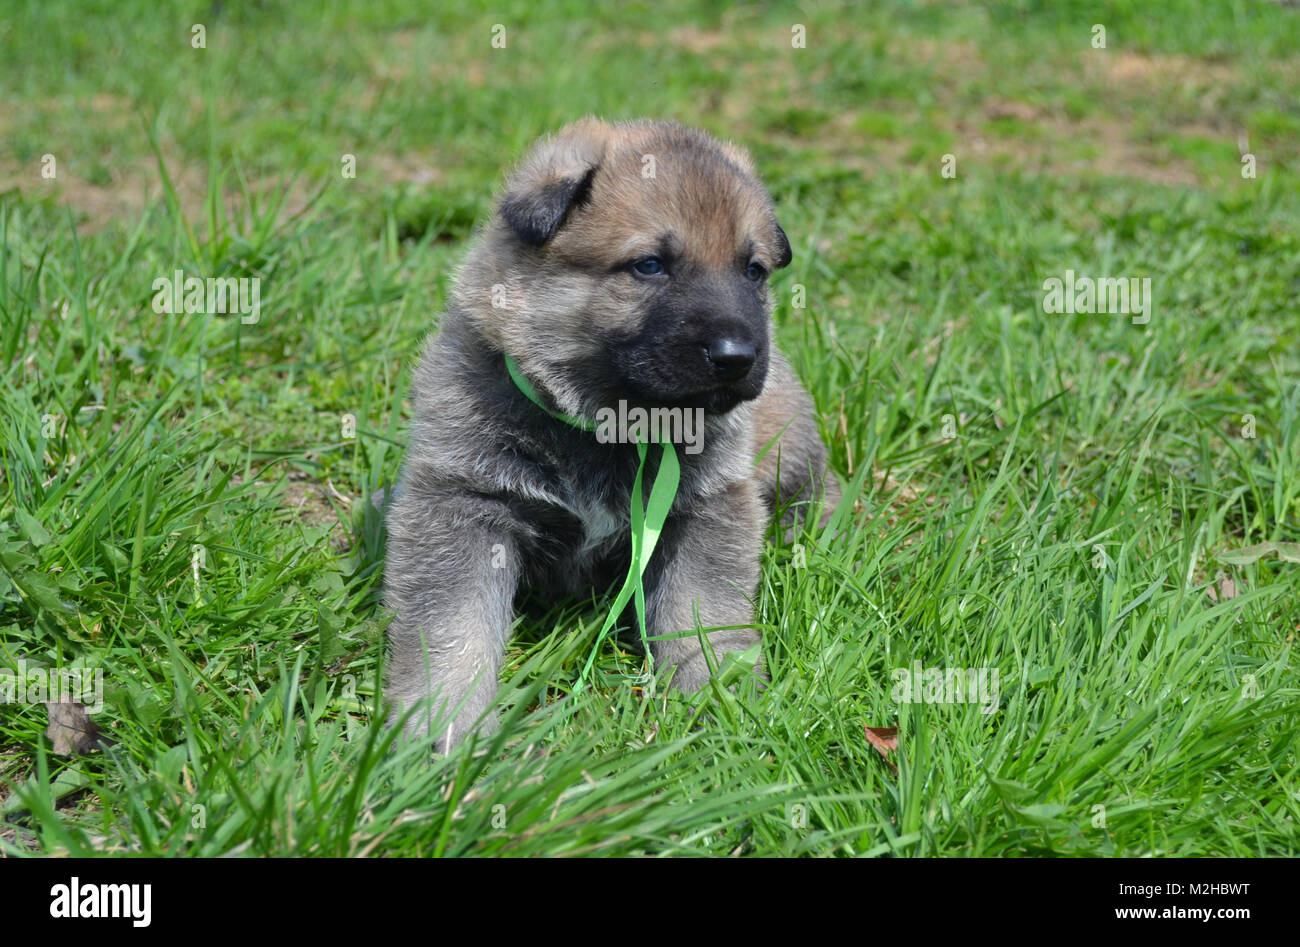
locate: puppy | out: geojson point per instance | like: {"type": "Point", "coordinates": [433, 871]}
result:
{"type": "Point", "coordinates": [625, 267]}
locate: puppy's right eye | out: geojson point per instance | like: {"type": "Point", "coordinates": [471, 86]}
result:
{"type": "Point", "coordinates": [650, 266]}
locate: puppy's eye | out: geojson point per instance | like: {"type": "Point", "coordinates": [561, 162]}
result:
{"type": "Point", "coordinates": [755, 272]}
{"type": "Point", "coordinates": [650, 266]}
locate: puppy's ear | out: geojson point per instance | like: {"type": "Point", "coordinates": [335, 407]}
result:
{"type": "Point", "coordinates": [741, 159]}
{"type": "Point", "coordinates": [738, 156]}
{"type": "Point", "coordinates": [553, 179]}
{"type": "Point", "coordinates": [536, 212]}
{"type": "Point", "coordinates": [784, 254]}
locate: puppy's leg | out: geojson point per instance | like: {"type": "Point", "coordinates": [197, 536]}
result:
{"type": "Point", "coordinates": [707, 564]}
{"type": "Point", "coordinates": [451, 575]}
{"type": "Point", "coordinates": [792, 474]}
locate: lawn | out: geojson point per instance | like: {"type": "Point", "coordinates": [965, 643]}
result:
{"type": "Point", "coordinates": [1094, 515]}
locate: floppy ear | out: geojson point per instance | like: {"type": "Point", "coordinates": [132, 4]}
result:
{"type": "Point", "coordinates": [535, 214]}
{"type": "Point", "coordinates": [552, 180]}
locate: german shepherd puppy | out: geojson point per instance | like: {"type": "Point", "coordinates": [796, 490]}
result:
{"type": "Point", "coordinates": [624, 269]}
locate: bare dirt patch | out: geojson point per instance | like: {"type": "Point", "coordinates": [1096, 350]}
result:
{"type": "Point", "coordinates": [1128, 67]}
{"type": "Point", "coordinates": [310, 501]}
{"type": "Point", "coordinates": [131, 188]}
{"type": "Point", "coordinates": [134, 182]}
{"type": "Point", "coordinates": [405, 168]}
{"type": "Point", "coordinates": [1100, 146]}
{"type": "Point", "coordinates": [701, 41]}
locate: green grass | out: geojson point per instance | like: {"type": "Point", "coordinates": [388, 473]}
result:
{"type": "Point", "coordinates": [1053, 497]}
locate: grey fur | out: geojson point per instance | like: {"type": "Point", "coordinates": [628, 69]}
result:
{"type": "Point", "coordinates": [496, 494]}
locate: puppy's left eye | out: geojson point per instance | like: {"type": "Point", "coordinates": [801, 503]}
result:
{"type": "Point", "coordinates": [649, 266]}
{"type": "Point", "coordinates": [755, 272]}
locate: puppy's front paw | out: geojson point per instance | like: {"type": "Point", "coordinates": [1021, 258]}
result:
{"type": "Point", "coordinates": [691, 674]}
{"type": "Point", "coordinates": [441, 732]}
{"type": "Point", "coordinates": [738, 655]}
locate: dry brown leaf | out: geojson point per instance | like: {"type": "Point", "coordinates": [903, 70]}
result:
{"type": "Point", "coordinates": [884, 739]}
{"type": "Point", "coordinates": [71, 730]}
{"type": "Point", "coordinates": [1223, 590]}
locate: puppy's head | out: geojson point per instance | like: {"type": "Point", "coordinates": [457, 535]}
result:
{"type": "Point", "coordinates": [631, 262]}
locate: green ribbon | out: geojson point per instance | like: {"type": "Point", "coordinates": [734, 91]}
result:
{"type": "Point", "coordinates": [645, 519]}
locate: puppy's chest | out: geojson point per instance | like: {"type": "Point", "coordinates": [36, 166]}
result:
{"type": "Point", "coordinates": [602, 531]}
{"type": "Point", "coordinates": [576, 548]}
{"type": "Point", "coordinates": [581, 538]}
{"type": "Point", "coordinates": [600, 524]}
{"type": "Point", "coordinates": [588, 540]}
{"type": "Point", "coordinates": [597, 495]}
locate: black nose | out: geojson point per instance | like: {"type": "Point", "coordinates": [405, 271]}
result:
{"type": "Point", "coordinates": [731, 358]}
